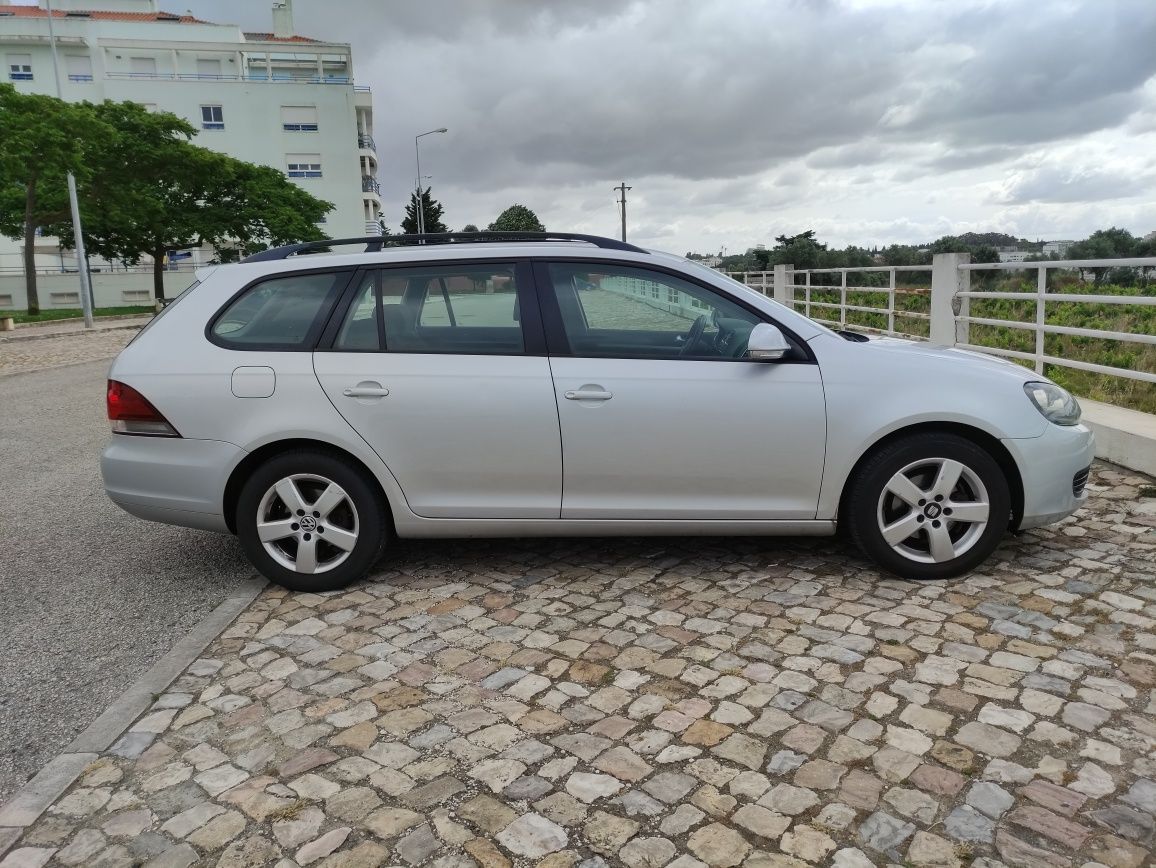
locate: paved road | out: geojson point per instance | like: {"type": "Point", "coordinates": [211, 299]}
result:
{"type": "Point", "coordinates": [89, 597]}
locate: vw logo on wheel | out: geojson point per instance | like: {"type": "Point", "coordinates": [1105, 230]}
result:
{"type": "Point", "coordinates": [308, 523]}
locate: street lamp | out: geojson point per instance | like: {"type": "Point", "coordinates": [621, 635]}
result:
{"type": "Point", "coordinates": [417, 153]}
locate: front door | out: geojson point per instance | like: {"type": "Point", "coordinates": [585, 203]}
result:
{"type": "Point", "coordinates": [662, 416]}
{"type": "Point", "coordinates": [441, 369]}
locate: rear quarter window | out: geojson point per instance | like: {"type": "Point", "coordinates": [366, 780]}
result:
{"type": "Point", "coordinates": [280, 313]}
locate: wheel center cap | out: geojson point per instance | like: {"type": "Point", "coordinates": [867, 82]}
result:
{"type": "Point", "coordinates": [932, 510]}
{"type": "Point", "coordinates": [308, 522]}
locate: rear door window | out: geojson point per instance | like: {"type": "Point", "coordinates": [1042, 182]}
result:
{"type": "Point", "coordinates": [471, 309]}
{"type": "Point", "coordinates": [281, 313]}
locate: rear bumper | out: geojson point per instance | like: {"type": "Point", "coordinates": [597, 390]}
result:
{"type": "Point", "coordinates": [1048, 465]}
{"type": "Point", "coordinates": [170, 480]}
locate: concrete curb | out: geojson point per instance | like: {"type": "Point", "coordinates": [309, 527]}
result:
{"type": "Point", "coordinates": [26, 805]}
{"type": "Point", "coordinates": [15, 337]}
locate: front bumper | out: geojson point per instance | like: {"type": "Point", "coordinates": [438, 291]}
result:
{"type": "Point", "coordinates": [1048, 466]}
{"type": "Point", "coordinates": [170, 479]}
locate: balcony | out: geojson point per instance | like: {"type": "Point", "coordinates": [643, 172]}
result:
{"type": "Point", "coordinates": [366, 143]}
{"type": "Point", "coordinates": [369, 184]}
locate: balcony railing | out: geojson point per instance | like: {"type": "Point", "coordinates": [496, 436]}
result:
{"type": "Point", "coordinates": [370, 185]}
{"type": "Point", "coordinates": [278, 78]}
{"type": "Point", "coordinates": [364, 141]}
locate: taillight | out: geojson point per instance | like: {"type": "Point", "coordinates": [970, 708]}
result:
{"type": "Point", "coordinates": [129, 412]}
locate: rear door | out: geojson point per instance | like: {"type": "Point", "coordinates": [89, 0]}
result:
{"type": "Point", "coordinates": [441, 368]}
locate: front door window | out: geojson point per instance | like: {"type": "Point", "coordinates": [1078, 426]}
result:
{"type": "Point", "coordinates": [612, 311]}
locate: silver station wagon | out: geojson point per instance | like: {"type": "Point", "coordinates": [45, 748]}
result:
{"type": "Point", "coordinates": [498, 384]}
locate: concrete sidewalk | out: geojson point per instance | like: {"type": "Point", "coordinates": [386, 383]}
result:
{"type": "Point", "coordinates": [57, 328]}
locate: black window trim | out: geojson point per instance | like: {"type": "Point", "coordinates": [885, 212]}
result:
{"type": "Point", "coordinates": [559, 344]}
{"type": "Point", "coordinates": [529, 310]}
{"type": "Point", "coordinates": [320, 323]}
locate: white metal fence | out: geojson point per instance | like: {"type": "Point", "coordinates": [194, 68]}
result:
{"type": "Point", "coordinates": [895, 304]}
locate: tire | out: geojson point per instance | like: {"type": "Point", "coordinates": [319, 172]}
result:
{"type": "Point", "coordinates": [291, 548]}
{"type": "Point", "coordinates": [907, 485]}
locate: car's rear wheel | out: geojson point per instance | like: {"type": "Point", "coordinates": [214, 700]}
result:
{"type": "Point", "coordinates": [929, 506]}
{"type": "Point", "coordinates": [309, 521]}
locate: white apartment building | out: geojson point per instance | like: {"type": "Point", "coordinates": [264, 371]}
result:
{"type": "Point", "coordinates": [275, 98]}
{"type": "Point", "coordinates": [1056, 249]}
{"type": "Point", "coordinates": [1006, 255]}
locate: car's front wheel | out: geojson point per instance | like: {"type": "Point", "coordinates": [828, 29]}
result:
{"type": "Point", "coordinates": [309, 521]}
{"type": "Point", "coordinates": [929, 506]}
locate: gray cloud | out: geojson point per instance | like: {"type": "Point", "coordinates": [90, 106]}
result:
{"type": "Point", "coordinates": [553, 103]}
{"type": "Point", "coordinates": [1069, 184]}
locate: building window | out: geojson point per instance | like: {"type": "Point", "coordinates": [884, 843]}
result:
{"type": "Point", "coordinates": [143, 66]}
{"type": "Point", "coordinates": [20, 67]}
{"type": "Point", "coordinates": [79, 67]}
{"type": "Point", "coordinates": [303, 165]}
{"type": "Point", "coordinates": [212, 117]}
{"type": "Point", "coordinates": [209, 69]}
{"type": "Point", "coordinates": [299, 118]}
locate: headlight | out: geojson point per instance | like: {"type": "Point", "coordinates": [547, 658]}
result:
{"type": "Point", "coordinates": [1056, 404]}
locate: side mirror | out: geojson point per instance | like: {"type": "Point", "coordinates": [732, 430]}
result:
{"type": "Point", "coordinates": [766, 344]}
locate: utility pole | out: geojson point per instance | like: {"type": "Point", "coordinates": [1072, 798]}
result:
{"type": "Point", "coordinates": [77, 233]}
{"type": "Point", "coordinates": [622, 188]}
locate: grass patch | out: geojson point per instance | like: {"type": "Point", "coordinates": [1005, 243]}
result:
{"type": "Point", "coordinates": [22, 316]}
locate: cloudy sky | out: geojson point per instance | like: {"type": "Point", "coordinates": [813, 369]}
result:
{"type": "Point", "coordinates": [871, 121]}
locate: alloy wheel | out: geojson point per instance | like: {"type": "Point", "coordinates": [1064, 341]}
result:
{"type": "Point", "coordinates": [307, 523]}
{"type": "Point", "coordinates": [933, 510]}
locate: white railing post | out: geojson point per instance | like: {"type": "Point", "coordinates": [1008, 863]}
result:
{"type": "Point", "coordinates": [1041, 316]}
{"type": "Point", "coordinates": [843, 301]}
{"type": "Point", "coordinates": [945, 283]}
{"type": "Point", "coordinates": [784, 294]}
{"type": "Point", "coordinates": [891, 303]}
{"type": "Point", "coordinates": [962, 307]}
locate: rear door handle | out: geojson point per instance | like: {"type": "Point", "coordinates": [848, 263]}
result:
{"type": "Point", "coordinates": [366, 390]}
{"type": "Point", "coordinates": [589, 395]}
{"type": "Point", "coordinates": [365, 393]}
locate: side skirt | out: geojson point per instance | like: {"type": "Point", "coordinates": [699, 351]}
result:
{"type": "Point", "coordinates": [415, 527]}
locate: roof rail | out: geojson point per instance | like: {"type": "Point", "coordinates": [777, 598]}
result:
{"type": "Point", "coordinates": [374, 243]}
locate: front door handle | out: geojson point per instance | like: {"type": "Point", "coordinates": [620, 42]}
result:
{"type": "Point", "coordinates": [589, 395]}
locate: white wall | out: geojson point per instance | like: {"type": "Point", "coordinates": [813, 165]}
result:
{"type": "Point", "coordinates": [109, 290]}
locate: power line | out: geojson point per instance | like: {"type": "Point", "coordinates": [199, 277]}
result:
{"type": "Point", "coordinates": [622, 188]}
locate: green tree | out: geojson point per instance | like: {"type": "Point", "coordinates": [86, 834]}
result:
{"type": "Point", "coordinates": [469, 227]}
{"type": "Point", "coordinates": [41, 140]}
{"type": "Point", "coordinates": [1106, 244]}
{"type": "Point", "coordinates": [801, 251]}
{"type": "Point", "coordinates": [152, 191]}
{"type": "Point", "coordinates": [517, 218]}
{"type": "Point", "coordinates": [432, 211]}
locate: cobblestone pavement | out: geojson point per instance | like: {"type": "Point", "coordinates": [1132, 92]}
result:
{"type": "Point", "coordinates": [21, 356]}
{"type": "Point", "coordinates": [651, 703]}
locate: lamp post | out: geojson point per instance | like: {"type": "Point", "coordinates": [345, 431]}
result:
{"type": "Point", "coordinates": [77, 233]}
{"type": "Point", "coordinates": [417, 154]}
